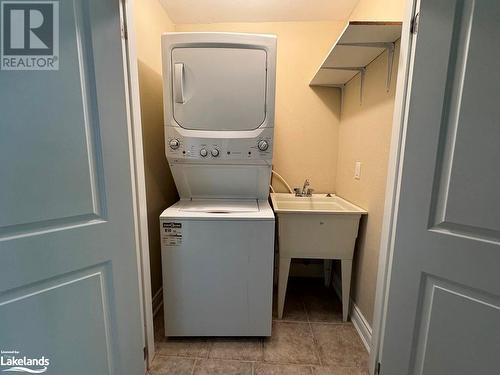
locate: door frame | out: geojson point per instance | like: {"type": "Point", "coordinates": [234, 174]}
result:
{"type": "Point", "coordinates": [392, 191]}
{"type": "Point", "coordinates": [403, 89]}
{"type": "Point", "coordinates": [133, 104]}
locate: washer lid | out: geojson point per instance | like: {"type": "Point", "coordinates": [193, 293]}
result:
{"type": "Point", "coordinates": [216, 206]}
{"type": "Point", "coordinates": [218, 209]}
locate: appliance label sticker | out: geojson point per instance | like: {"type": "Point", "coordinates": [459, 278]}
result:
{"type": "Point", "coordinates": [171, 234]}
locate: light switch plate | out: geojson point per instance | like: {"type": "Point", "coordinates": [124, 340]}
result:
{"type": "Point", "coordinates": [357, 170]}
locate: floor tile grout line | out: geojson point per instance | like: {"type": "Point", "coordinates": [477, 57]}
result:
{"type": "Point", "coordinates": [315, 345]}
{"type": "Point", "coordinates": [194, 366]}
{"type": "Point", "coordinates": [287, 363]}
{"type": "Point", "coordinates": [180, 356]}
{"type": "Point", "coordinates": [210, 355]}
{"type": "Point", "coordinates": [262, 347]}
{"type": "Point", "coordinates": [254, 362]}
{"type": "Point", "coordinates": [332, 323]}
{"type": "Point", "coordinates": [233, 359]}
{"type": "Point", "coordinates": [251, 363]}
{"type": "Point", "coordinates": [304, 307]}
{"type": "Point", "coordinates": [210, 347]}
{"type": "Point", "coordinates": [312, 322]}
{"type": "Point", "coordinates": [289, 321]}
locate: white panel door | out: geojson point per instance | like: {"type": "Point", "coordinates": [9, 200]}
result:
{"type": "Point", "coordinates": [443, 314]}
{"type": "Point", "coordinates": [69, 288]}
{"type": "Point", "coordinates": [222, 88]}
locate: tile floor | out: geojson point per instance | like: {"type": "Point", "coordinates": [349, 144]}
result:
{"type": "Point", "coordinates": [311, 339]}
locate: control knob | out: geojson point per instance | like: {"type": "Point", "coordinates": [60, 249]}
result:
{"type": "Point", "coordinates": [215, 152]}
{"type": "Point", "coordinates": [174, 144]}
{"type": "Point", "coordinates": [263, 145]}
{"type": "Point", "coordinates": [203, 152]}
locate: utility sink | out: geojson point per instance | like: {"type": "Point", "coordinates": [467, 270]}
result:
{"type": "Point", "coordinates": [317, 203]}
{"type": "Point", "coordinates": [318, 227]}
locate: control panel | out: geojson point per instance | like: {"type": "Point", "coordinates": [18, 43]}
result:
{"type": "Point", "coordinates": [195, 148]}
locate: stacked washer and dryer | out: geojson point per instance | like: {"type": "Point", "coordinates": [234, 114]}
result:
{"type": "Point", "coordinates": [218, 240]}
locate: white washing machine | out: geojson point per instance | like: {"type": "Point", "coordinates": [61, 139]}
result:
{"type": "Point", "coordinates": [218, 240]}
{"type": "Point", "coordinates": [217, 262]}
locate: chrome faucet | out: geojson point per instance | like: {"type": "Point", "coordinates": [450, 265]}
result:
{"type": "Point", "coordinates": [305, 191]}
{"type": "Point", "coordinates": [305, 186]}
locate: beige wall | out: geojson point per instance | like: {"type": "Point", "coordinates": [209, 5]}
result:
{"type": "Point", "coordinates": [150, 22]}
{"type": "Point", "coordinates": [307, 119]}
{"type": "Point", "coordinates": [365, 134]}
{"type": "Point", "coordinates": [378, 10]}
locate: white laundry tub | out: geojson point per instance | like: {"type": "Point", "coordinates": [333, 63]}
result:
{"type": "Point", "coordinates": [319, 227]}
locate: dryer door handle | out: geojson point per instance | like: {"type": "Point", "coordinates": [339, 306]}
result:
{"type": "Point", "coordinates": [179, 83]}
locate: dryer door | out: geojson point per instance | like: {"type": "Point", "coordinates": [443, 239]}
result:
{"type": "Point", "coordinates": [219, 88]}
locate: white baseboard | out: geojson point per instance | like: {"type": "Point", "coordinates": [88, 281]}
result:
{"type": "Point", "coordinates": [361, 325]}
{"type": "Point", "coordinates": [357, 318]}
{"type": "Point", "coordinates": [157, 301]}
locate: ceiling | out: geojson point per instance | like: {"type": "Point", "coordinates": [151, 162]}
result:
{"type": "Point", "coordinates": [211, 11]}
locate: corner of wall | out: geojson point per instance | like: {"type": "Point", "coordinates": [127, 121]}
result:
{"type": "Point", "coordinates": [151, 20]}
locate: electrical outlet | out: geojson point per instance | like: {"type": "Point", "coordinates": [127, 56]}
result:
{"type": "Point", "coordinates": [357, 170]}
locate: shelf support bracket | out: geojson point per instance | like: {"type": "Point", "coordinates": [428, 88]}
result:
{"type": "Point", "coordinates": [362, 73]}
{"type": "Point", "coordinates": [388, 46]}
{"type": "Point", "coordinates": [390, 63]}
{"type": "Point", "coordinates": [342, 90]}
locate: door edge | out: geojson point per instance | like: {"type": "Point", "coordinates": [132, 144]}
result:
{"type": "Point", "coordinates": [138, 176]}
{"type": "Point", "coordinates": [403, 88]}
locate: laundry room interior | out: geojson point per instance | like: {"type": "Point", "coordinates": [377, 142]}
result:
{"type": "Point", "coordinates": [332, 136]}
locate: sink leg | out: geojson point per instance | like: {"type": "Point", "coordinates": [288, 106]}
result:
{"type": "Point", "coordinates": [282, 282]}
{"type": "Point", "coordinates": [346, 287]}
{"type": "Point", "coordinates": [327, 271]}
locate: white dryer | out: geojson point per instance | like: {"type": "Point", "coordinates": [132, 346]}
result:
{"type": "Point", "coordinates": [218, 240]}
